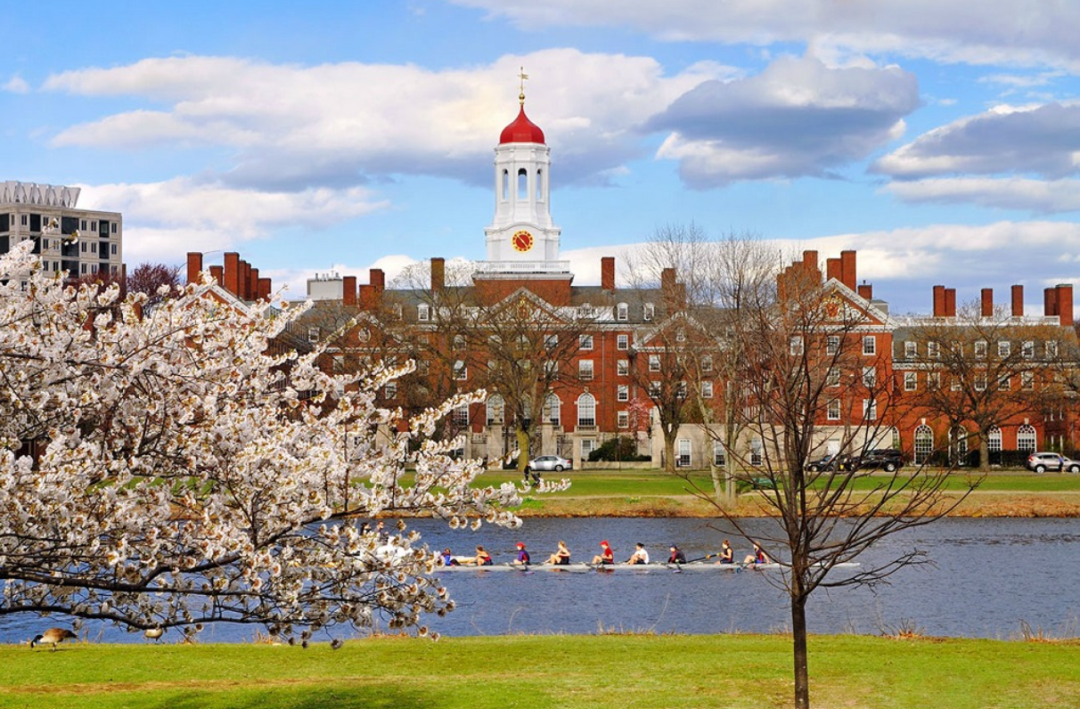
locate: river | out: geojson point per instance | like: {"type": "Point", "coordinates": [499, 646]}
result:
{"type": "Point", "coordinates": [989, 578]}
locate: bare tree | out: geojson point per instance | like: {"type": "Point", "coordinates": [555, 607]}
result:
{"type": "Point", "coordinates": [151, 278]}
{"type": "Point", "coordinates": [816, 372]}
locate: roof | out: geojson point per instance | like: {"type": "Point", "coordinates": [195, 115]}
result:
{"type": "Point", "coordinates": [522, 130]}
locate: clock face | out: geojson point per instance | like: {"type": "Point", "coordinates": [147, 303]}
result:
{"type": "Point", "coordinates": [522, 241]}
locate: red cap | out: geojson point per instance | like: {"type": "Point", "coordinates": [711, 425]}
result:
{"type": "Point", "coordinates": [604, 543]}
{"type": "Point", "coordinates": [521, 545]}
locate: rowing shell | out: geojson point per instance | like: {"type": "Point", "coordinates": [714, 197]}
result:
{"type": "Point", "coordinates": [581, 568]}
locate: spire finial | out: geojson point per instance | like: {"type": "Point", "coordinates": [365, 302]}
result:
{"type": "Point", "coordinates": [522, 76]}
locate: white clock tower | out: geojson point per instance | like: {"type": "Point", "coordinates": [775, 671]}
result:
{"type": "Point", "coordinates": [522, 238]}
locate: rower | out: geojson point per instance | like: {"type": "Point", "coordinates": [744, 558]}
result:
{"type": "Point", "coordinates": [561, 557]}
{"type": "Point", "coordinates": [758, 556]}
{"type": "Point", "coordinates": [640, 556]}
{"type": "Point", "coordinates": [482, 558]}
{"type": "Point", "coordinates": [727, 554]}
{"type": "Point", "coordinates": [448, 558]}
{"type": "Point", "coordinates": [523, 558]}
{"type": "Point", "coordinates": [606, 555]}
{"type": "Point", "coordinates": [677, 556]}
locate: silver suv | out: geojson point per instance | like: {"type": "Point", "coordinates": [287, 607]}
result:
{"type": "Point", "coordinates": [1043, 461]}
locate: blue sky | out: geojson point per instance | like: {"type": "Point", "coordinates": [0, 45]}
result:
{"type": "Point", "coordinates": [939, 139]}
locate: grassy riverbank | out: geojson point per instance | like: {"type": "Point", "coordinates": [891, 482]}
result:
{"type": "Point", "coordinates": [654, 493]}
{"type": "Point", "coordinates": [620, 672]}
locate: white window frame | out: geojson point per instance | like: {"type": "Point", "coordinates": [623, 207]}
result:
{"type": "Point", "coordinates": [707, 389]}
{"type": "Point", "coordinates": [585, 370]}
{"type": "Point", "coordinates": [832, 412]}
{"type": "Point", "coordinates": [869, 345]}
{"type": "Point", "coordinates": [585, 342]}
{"type": "Point", "coordinates": [622, 392]}
{"type": "Point", "coordinates": [795, 346]}
{"type": "Point", "coordinates": [622, 367]}
{"type": "Point", "coordinates": [654, 363]}
{"type": "Point", "coordinates": [911, 349]}
{"type": "Point", "coordinates": [623, 419]}
{"type": "Point", "coordinates": [911, 381]}
{"type": "Point", "coordinates": [982, 348]}
{"type": "Point", "coordinates": [423, 312]}
{"type": "Point", "coordinates": [869, 409]}
{"type": "Point", "coordinates": [622, 342]}
{"type": "Point", "coordinates": [622, 312]}
{"type": "Point", "coordinates": [586, 412]}
{"type": "Point", "coordinates": [1004, 349]}
{"type": "Point", "coordinates": [832, 344]}
{"type": "Point", "coordinates": [461, 370]}
{"type": "Point", "coordinates": [648, 312]}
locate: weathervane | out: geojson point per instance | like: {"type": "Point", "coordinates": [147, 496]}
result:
{"type": "Point", "coordinates": [522, 76]}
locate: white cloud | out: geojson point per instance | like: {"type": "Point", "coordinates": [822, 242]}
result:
{"type": "Point", "coordinates": [293, 127]}
{"type": "Point", "coordinates": [17, 85]}
{"type": "Point", "coordinates": [1023, 32]}
{"type": "Point", "coordinates": [1045, 197]}
{"type": "Point", "coordinates": [1042, 139]}
{"type": "Point", "coordinates": [798, 117]}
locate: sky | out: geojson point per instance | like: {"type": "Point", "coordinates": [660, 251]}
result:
{"type": "Point", "coordinates": [939, 139]}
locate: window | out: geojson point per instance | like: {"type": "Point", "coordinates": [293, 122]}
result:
{"type": "Point", "coordinates": [390, 390]}
{"type": "Point", "coordinates": [423, 313]}
{"type": "Point", "coordinates": [1027, 381]}
{"type": "Point", "coordinates": [706, 390]}
{"type": "Point", "coordinates": [622, 312]}
{"type": "Point", "coordinates": [1051, 349]}
{"type": "Point", "coordinates": [795, 345]}
{"type": "Point", "coordinates": [933, 381]}
{"type": "Point", "coordinates": [832, 377]}
{"type": "Point", "coordinates": [114, 228]}
{"type": "Point", "coordinates": [980, 381]}
{"type": "Point", "coordinates": [833, 412]}
{"type": "Point", "coordinates": [756, 451]}
{"type": "Point", "coordinates": [680, 390]}
{"type": "Point", "coordinates": [911, 381]}
{"type": "Point", "coordinates": [869, 377]}
{"type": "Point", "coordinates": [82, 246]}
{"type": "Point", "coordinates": [706, 363]}
{"type": "Point", "coordinates": [869, 345]}
{"type": "Point", "coordinates": [93, 226]}
{"type": "Point", "coordinates": [981, 348]}
{"type": "Point", "coordinates": [459, 342]}
{"type": "Point", "coordinates": [1005, 384]}
{"type": "Point", "coordinates": [585, 370]}
{"type": "Point", "coordinates": [82, 224]}
{"type": "Point", "coordinates": [680, 336]}
{"type": "Point", "coordinates": [1025, 438]}
{"type": "Point", "coordinates": [461, 372]}
{"type": "Point", "coordinates": [585, 342]}
{"type": "Point", "coordinates": [622, 342]}
{"type": "Point", "coordinates": [623, 418]}
{"type": "Point", "coordinates": [993, 439]}
{"type": "Point", "coordinates": [496, 409]}
{"type": "Point", "coordinates": [924, 444]}
{"type": "Point", "coordinates": [832, 344]}
{"type": "Point", "coordinates": [552, 409]}
{"type": "Point", "coordinates": [622, 367]}
{"type": "Point", "coordinates": [682, 458]}
{"type": "Point", "coordinates": [551, 342]}
{"type": "Point", "coordinates": [719, 459]}
{"type": "Point", "coordinates": [623, 392]}
{"type": "Point", "coordinates": [586, 412]}
{"type": "Point", "coordinates": [313, 334]}
{"type": "Point", "coordinates": [955, 382]}
{"type": "Point", "coordinates": [869, 407]}
{"type": "Point", "coordinates": [461, 415]}
{"type": "Point", "coordinates": [112, 249]}
{"type": "Point", "coordinates": [588, 445]}
{"type": "Point", "coordinates": [655, 389]}
{"type": "Point", "coordinates": [551, 368]}
{"type": "Point", "coordinates": [648, 311]}
{"type": "Point", "coordinates": [654, 363]}
{"type": "Point", "coordinates": [1004, 349]}
{"type": "Point", "coordinates": [1027, 350]}
{"type": "Point", "coordinates": [911, 349]}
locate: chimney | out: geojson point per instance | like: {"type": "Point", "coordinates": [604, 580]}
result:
{"type": "Point", "coordinates": [1050, 301]}
{"type": "Point", "coordinates": [847, 269]}
{"type": "Point", "coordinates": [194, 266]}
{"type": "Point", "coordinates": [866, 291]}
{"type": "Point", "coordinates": [348, 290]}
{"type": "Point", "coordinates": [368, 297]}
{"type": "Point", "coordinates": [939, 301]}
{"type": "Point", "coordinates": [243, 279]}
{"type": "Point", "coordinates": [832, 269]}
{"type": "Point", "coordinates": [810, 263]}
{"type": "Point", "coordinates": [988, 302]}
{"type": "Point", "coordinates": [264, 289]}
{"type": "Point", "coordinates": [377, 278]}
{"type": "Point", "coordinates": [1065, 304]}
{"type": "Point", "coordinates": [607, 273]}
{"type": "Point", "coordinates": [1018, 301]}
{"type": "Point", "coordinates": [438, 274]}
{"type": "Point", "coordinates": [253, 284]}
{"type": "Point", "coordinates": [950, 302]}
{"type": "Point", "coordinates": [232, 273]}
{"type": "Point", "coordinates": [219, 275]}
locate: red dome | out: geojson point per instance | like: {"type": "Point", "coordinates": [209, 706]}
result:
{"type": "Point", "coordinates": [522, 130]}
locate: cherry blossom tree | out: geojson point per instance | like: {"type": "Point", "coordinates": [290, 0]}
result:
{"type": "Point", "coordinates": [165, 468]}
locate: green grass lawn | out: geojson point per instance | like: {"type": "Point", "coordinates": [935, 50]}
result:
{"type": "Point", "coordinates": [616, 671]}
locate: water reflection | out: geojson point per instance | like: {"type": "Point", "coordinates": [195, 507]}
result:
{"type": "Point", "coordinates": [988, 577]}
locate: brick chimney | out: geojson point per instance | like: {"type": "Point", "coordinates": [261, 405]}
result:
{"type": "Point", "coordinates": [348, 290]}
{"type": "Point", "coordinates": [1018, 301]}
{"type": "Point", "coordinates": [950, 302]}
{"type": "Point", "coordinates": [1050, 301]}
{"type": "Point", "coordinates": [377, 278]}
{"type": "Point", "coordinates": [218, 274]}
{"type": "Point", "coordinates": [232, 273]}
{"type": "Point", "coordinates": [253, 284]}
{"type": "Point", "coordinates": [810, 264]}
{"type": "Point", "coordinates": [264, 289]}
{"type": "Point", "coordinates": [866, 291]}
{"type": "Point", "coordinates": [607, 273]}
{"type": "Point", "coordinates": [438, 274]}
{"type": "Point", "coordinates": [939, 301]}
{"type": "Point", "coordinates": [243, 279]}
{"type": "Point", "coordinates": [194, 266]}
{"type": "Point", "coordinates": [833, 269]}
{"type": "Point", "coordinates": [847, 269]}
{"type": "Point", "coordinates": [987, 302]}
{"type": "Point", "coordinates": [1065, 304]}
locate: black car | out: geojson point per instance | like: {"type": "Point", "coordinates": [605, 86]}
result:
{"type": "Point", "coordinates": [888, 459]}
{"type": "Point", "coordinates": [832, 462]}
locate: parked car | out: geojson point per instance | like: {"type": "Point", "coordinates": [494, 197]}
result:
{"type": "Point", "coordinates": [888, 459]}
{"type": "Point", "coordinates": [550, 463]}
{"type": "Point", "coordinates": [1042, 461]}
{"type": "Point", "coordinates": [832, 462]}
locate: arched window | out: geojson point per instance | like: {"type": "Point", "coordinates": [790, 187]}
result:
{"type": "Point", "coordinates": [586, 411]}
{"type": "Point", "coordinates": [523, 184]}
{"type": "Point", "coordinates": [924, 444]}
{"type": "Point", "coordinates": [505, 185]}
{"type": "Point", "coordinates": [539, 185]}
{"type": "Point", "coordinates": [552, 410]}
{"type": "Point", "coordinates": [993, 440]}
{"type": "Point", "coordinates": [496, 409]}
{"type": "Point", "coordinates": [1025, 438]}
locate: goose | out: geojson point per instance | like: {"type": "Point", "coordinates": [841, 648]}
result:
{"type": "Point", "coordinates": [154, 633]}
{"type": "Point", "coordinates": [54, 636]}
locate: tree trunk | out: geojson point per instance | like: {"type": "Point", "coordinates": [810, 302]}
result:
{"type": "Point", "coordinates": [523, 443]}
{"type": "Point", "coordinates": [984, 452]}
{"type": "Point", "coordinates": [669, 451]}
{"type": "Point", "coordinates": [798, 638]}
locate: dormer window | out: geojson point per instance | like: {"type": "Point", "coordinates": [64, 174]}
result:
{"type": "Point", "coordinates": [648, 311]}
{"type": "Point", "coordinates": [622, 312]}
{"type": "Point", "coordinates": [423, 313]}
